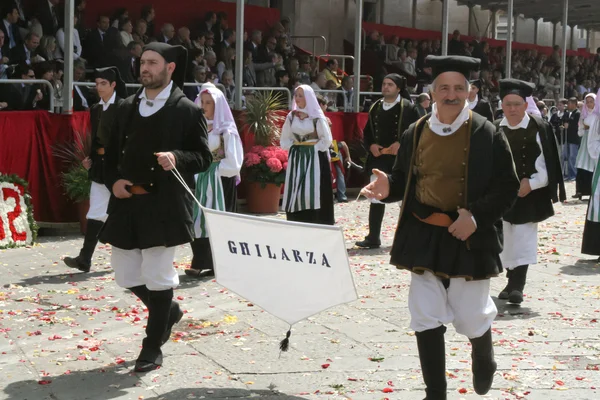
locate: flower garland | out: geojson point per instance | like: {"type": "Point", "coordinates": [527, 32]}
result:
{"type": "Point", "coordinates": [17, 226]}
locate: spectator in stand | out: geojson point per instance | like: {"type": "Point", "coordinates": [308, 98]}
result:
{"type": "Point", "coordinates": [422, 53]}
{"type": "Point", "coordinates": [82, 96]}
{"type": "Point", "coordinates": [210, 42]}
{"type": "Point", "coordinates": [265, 72]}
{"type": "Point", "coordinates": [423, 103]}
{"type": "Point", "coordinates": [47, 48]}
{"type": "Point", "coordinates": [12, 36]}
{"type": "Point", "coordinates": [210, 19]}
{"type": "Point", "coordinates": [167, 33]}
{"type": "Point", "coordinates": [392, 49]}
{"type": "Point", "coordinates": [44, 70]}
{"type": "Point", "coordinates": [182, 38]}
{"type": "Point", "coordinates": [319, 83]}
{"type": "Point", "coordinates": [211, 61]}
{"type": "Point", "coordinates": [135, 52]}
{"type": "Point", "coordinates": [80, 14]}
{"type": "Point", "coordinates": [227, 61]}
{"type": "Point", "coordinates": [229, 85]}
{"type": "Point", "coordinates": [198, 42]}
{"type": "Point", "coordinates": [60, 39]}
{"type": "Point", "coordinates": [265, 51]}
{"type": "Point", "coordinates": [571, 148]}
{"type": "Point", "coordinates": [228, 41]}
{"type": "Point", "coordinates": [126, 31]}
{"type": "Point", "coordinates": [253, 44]}
{"type": "Point", "coordinates": [148, 14]}
{"type": "Point", "coordinates": [191, 92]}
{"type": "Point", "coordinates": [141, 26]}
{"type": "Point", "coordinates": [3, 60]}
{"type": "Point", "coordinates": [220, 26]}
{"type": "Point", "coordinates": [455, 46]}
{"type": "Point", "coordinates": [19, 96]}
{"type": "Point", "coordinates": [331, 68]}
{"type": "Point", "coordinates": [25, 53]}
{"type": "Point", "coordinates": [286, 22]}
{"type": "Point", "coordinates": [94, 51]}
{"type": "Point", "coordinates": [49, 14]}
{"type": "Point", "coordinates": [305, 72]}
{"type": "Point", "coordinates": [195, 57]}
{"type": "Point", "coordinates": [284, 48]}
{"type": "Point", "coordinates": [117, 54]}
{"type": "Point", "coordinates": [345, 100]}
{"type": "Point", "coordinates": [375, 41]}
{"type": "Point", "coordinates": [406, 64]}
{"type": "Point", "coordinates": [283, 78]}
{"type": "Point", "coordinates": [120, 13]}
{"type": "Point", "coordinates": [277, 30]}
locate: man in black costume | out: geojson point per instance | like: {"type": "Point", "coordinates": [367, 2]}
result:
{"type": "Point", "coordinates": [112, 91]}
{"type": "Point", "coordinates": [477, 103]}
{"type": "Point", "coordinates": [537, 161]}
{"type": "Point", "coordinates": [388, 118]}
{"type": "Point", "coordinates": [150, 212]}
{"type": "Point", "coordinates": [456, 177]}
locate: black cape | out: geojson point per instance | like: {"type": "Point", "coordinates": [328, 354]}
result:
{"type": "Point", "coordinates": [484, 108]}
{"type": "Point", "coordinates": [164, 217]}
{"type": "Point", "coordinates": [492, 188]}
{"type": "Point", "coordinates": [537, 205]}
{"type": "Point", "coordinates": [96, 172]}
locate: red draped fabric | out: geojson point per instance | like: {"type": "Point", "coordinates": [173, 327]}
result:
{"type": "Point", "coordinates": [420, 34]}
{"type": "Point", "coordinates": [183, 12]}
{"type": "Point", "coordinates": [26, 149]}
{"type": "Point", "coordinates": [27, 140]}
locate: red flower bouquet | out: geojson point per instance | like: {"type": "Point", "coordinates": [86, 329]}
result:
{"type": "Point", "coordinates": [266, 164]}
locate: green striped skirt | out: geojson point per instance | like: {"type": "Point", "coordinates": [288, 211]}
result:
{"type": "Point", "coordinates": [209, 192]}
{"type": "Point", "coordinates": [302, 180]}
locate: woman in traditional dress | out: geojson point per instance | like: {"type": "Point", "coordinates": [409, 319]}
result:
{"type": "Point", "coordinates": [308, 193]}
{"type": "Point", "coordinates": [585, 163]}
{"type": "Point", "coordinates": [591, 231]}
{"type": "Point", "coordinates": [216, 187]}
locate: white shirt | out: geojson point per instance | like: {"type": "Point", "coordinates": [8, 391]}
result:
{"type": "Point", "coordinates": [231, 165]}
{"type": "Point", "coordinates": [304, 127]}
{"type": "Point", "coordinates": [540, 178]}
{"type": "Point", "coordinates": [60, 39]}
{"type": "Point", "coordinates": [473, 104]}
{"type": "Point", "coordinates": [110, 101]}
{"type": "Point", "coordinates": [83, 99]}
{"type": "Point", "coordinates": [442, 129]}
{"type": "Point", "coordinates": [158, 103]}
{"type": "Point", "coordinates": [386, 106]}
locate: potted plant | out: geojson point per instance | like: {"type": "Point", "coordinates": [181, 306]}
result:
{"type": "Point", "coordinates": [265, 164]}
{"type": "Point", "coordinates": [75, 179]}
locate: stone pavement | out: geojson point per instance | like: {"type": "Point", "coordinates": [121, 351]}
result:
{"type": "Point", "coordinates": [73, 336]}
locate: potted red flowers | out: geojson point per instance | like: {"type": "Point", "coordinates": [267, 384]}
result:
{"type": "Point", "coordinates": [265, 164]}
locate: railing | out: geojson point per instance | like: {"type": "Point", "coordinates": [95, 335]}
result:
{"type": "Point", "coordinates": [336, 92]}
{"type": "Point", "coordinates": [342, 57]}
{"type": "Point", "coordinates": [33, 82]}
{"type": "Point", "coordinates": [314, 39]}
{"type": "Point", "coordinates": [271, 89]}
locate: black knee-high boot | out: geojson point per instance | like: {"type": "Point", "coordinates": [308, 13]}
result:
{"type": "Point", "coordinates": [175, 313]}
{"type": "Point", "coordinates": [376, 213]}
{"type": "Point", "coordinates": [519, 278]}
{"type": "Point", "coordinates": [202, 259]}
{"type": "Point", "coordinates": [503, 295]}
{"type": "Point", "coordinates": [432, 354]}
{"type": "Point", "coordinates": [484, 366]}
{"type": "Point", "coordinates": [159, 309]}
{"type": "Point", "coordinates": [83, 261]}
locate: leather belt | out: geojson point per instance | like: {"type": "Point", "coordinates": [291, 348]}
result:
{"type": "Point", "coordinates": [304, 143]}
{"type": "Point", "coordinates": [437, 219]}
{"type": "Point", "coordinates": [137, 189]}
{"type": "Point", "coordinates": [100, 151]}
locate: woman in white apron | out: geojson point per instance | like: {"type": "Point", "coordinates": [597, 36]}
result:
{"type": "Point", "coordinates": [215, 187]}
{"type": "Point", "coordinates": [585, 163]}
{"type": "Point", "coordinates": [591, 231]}
{"type": "Point", "coordinates": [308, 192]}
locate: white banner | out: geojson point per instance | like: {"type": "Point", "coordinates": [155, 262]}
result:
{"type": "Point", "coordinates": [291, 270]}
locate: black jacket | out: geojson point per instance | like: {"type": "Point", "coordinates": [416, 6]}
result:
{"type": "Point", "coordinates": [492, 181]}
{"type": "Point", "coordinates": [484, 108]}
{"type": "Point", "coordinates": [170, 208]}
{"type": "Point", "coordinates": [537, 205]}
{"type": "Point", "coordinates": [573, 120]}
{"type": "Point", "coordinates": [96, 172]}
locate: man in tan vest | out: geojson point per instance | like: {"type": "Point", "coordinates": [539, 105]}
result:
{"type": "Point", "coordinates": [456, 177]}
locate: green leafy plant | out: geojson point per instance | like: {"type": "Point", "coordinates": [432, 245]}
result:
{"type": "Point", "coordinates": [263, 118]}
{"type": "Point", "coordinates": [77, 183]}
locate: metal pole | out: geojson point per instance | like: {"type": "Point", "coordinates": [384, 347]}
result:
{"type": "Point", "coordinates": [587, 39]}
{"type": "Point", "coordinates": [357, 54]}
{"type": "Point", "coordinates": [469, 30]}
{"type": "Point", "coordinates": [413, 10]}
{"type": "Point", "coordinates": [494, 17]}
{"type": "Point", "coordinates": [509, 37]}
{"type": "Point", "coordinates": [68, 60]}
{"type": "Point", "coordinates": [563, 72]}
{"type": "Point", "coordinates": [573, 46]}
{"type": "Point", "coordinates": [535, 30]}
{"type": "Point", "coordinates": [239, 53]}
{"type": "Point", "coordinates": [554, 33]}
{"type": "Point", "coordinates": [445, 27]}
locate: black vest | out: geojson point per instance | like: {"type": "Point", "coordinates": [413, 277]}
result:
{"type": "Point", "coordinates": [524, 147]}
{"type": "Point", "coordinates": [385, 124]}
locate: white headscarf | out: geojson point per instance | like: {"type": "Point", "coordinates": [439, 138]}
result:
{"type": "Point", "coordinates": [586, 111]}
{"type": "Point", "coordinates": [223, 118]}
{"type": "Point", "coordinates": [312, 108]}
{"type": "Point", "coordinates": [532, 108]}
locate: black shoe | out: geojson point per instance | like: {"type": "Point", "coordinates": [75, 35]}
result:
{"type": "Point", "coordinates": [503, 295]}
{"type": "Point", "coordinates": [518, 277]}
{"type": "Point", "coordinates": [515, 297]}
{"type": "Point", "coordinates": [77, 263]}
{"type": "Point", "coordinates": [148, 360]}
{"type": "Point", "coordinates": [368, 244]}
{"type": "Point", "coordinates": [432, 356]}
{"type": "Point", "coordinates": [577, 196]}
{"type": "Point", "coordinates": [484, 366]}
{"type": "Point", "coordinates": [174, 317]}
{"type": "Point", "coordinates": [342, 200]}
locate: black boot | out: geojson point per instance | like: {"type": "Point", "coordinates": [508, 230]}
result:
{"type": "Point", "coordinates": [202, 261]}
{"type": "Point", "coordinates": [484, 366]}
{"type": "Point", "coordinates": [159, 309]}
{"type": "Point", "coordinates": [508, 288]}
{"type": "Point", "coordinates": [83, 261]}
{"type": "Point", "coordinates": [519, 277]}
{"type": "Point", "coordinates": [175, 313]}
{"type": "Point", "coordinates": [376, 213]}
{"type": "Point", "coordinates": [432, 354]}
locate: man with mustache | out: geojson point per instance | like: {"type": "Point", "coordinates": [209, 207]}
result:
{"type": "Point", "coordinates": [150, 212]}
{"type": "Point", "coordinates": [537, 162]}
{"type": "Point", "coordinates": [388, 118]}
{"type": "Point", "coordinates": [455, 175]}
